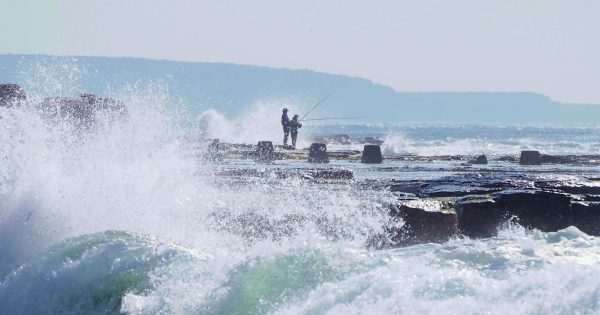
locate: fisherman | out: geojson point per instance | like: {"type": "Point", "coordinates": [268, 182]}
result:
{"type": "Point", "coordinates": [294, 125]}
{"type": "Point", "coordinates": [285, 122]}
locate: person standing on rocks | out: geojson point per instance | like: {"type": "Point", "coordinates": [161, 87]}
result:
{"type": "Point", "coordinates": [285, 122]}
{"type": "Point", "coordinates": [294, 125]}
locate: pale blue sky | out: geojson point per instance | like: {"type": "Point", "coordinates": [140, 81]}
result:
{"type": "Point", "coordinates": [546, 46]}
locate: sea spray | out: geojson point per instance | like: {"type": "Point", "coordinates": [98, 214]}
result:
{"type": "Point", "coordinates": [61, 182]}
{"type": "Point", "coordinates": [44, 76]}
{"type": "Point", "coordinates": [260, 121]}
{"type": "Point", "coordinates": [138, 176]}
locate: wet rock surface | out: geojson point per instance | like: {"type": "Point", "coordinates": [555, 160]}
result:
{"type": "Point", "coordinates": [586, 217]}
{"type": "Point", "coordinates": [479, 216]}
{"type": "Point", "coordinates": [318, 153]}
{"type": "Point", "coordinates": [281, 173]}
{"type": "Point", "coordinates": [479, 160]}
{"type": "Point", "coordinates": [473, 201]}
{"type": "Point", "coordinates": [82, 113]}
{"type": "Point", "coordinates": [255, 226]}
{"type": "Point", "coordinates": [543, 210]}
{"type": "Point", "coordinates": [264, 151]}
{"type": "Point", "coordinates": [371, 154]}
{"type": "Point", "coordinates": [530, 158]}
{"type": "Point", "coordinates": [483, 201]}
{"type": "Point", "coordinates": [425, 221]}
{"type": "Point", "coordinates": [11, 95]}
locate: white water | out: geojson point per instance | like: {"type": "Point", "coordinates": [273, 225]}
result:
{"type": "Point", "coordinates": [138, 176]}
{"type": "Point", "coordinates": [398, 143]}
{"type": "Point", "coordinates": [61, 191]}
{"type": "Point", "coordinates": [259, 122]}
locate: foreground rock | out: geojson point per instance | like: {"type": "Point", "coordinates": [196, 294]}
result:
{"type": "Point", "coordinates": [543, 210]}
{"type": "Point", "coordinates": [479, 216]}
{"type": "Point", "coordinates": [11, 95]}
{"type": "Point", "coordinates": [84, 112]}
{"type": "Point", "coordinates": [483, 202]}
{"type": "Point", "coordinates": [253, 226]}
{"type": "Point", "coordinates": [476, 202]}
{"type": "Point", "coordinates": [530, 158]}
{"type": "Point", "coordinates": [281, 173]}
{"type": "Point", "coordinates": [424, 222]}
{"type": "Point", "coordinates": [318, 153]}
{"type": "Point", "coordinates": [586, 217]}
{"type": "Point", "coordinates": [479, 160]}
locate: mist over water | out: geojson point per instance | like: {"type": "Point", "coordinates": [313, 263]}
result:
{"type": "Point", "coordinates": [259, 122]}
{"type": "Point", "coordinates": [124, 218]}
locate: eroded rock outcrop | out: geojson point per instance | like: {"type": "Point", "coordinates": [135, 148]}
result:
{"type": "Point", "coordinates": [483, 202]}
{"type": "Point", "coordinates": [479, 160]}
{"type": "Point", "coordinates": [11, 95]}
{"type": "Point", "coordinates": [542, 210]}
{"type": "Point", "coordinates": [422, 221]}
{"type": "Point", "coordinates": [83, 112]}
{"type": "Point", "coordinates": [479, 216]}
{"type": "Point", "coordinates": [318, 153]}
{"type": "Point", "coordinates": [586, 217]}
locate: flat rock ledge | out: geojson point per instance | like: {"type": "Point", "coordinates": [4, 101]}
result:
{"type": "Point", "coordinates": [476, 206]}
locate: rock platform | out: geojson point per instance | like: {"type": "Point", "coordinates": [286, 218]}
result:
{"type": "Point", "coordinates": [472, 200]}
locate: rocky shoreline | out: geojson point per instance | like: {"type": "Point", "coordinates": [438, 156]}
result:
{"type": "Point", "coordinates": [474, 201]}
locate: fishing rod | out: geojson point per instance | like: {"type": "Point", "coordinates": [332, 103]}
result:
{"type": "Point", "coordinates": [332, 118]}
{"type": "Point", "coordinates": [319, 103]}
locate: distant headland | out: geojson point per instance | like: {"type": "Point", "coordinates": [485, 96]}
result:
{"type": "Point", "coordinates": [230, 88]}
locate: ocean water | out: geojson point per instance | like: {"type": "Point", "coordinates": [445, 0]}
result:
{"type": "Point", "coordinates": [125, 218]}
{"type": "Point", "coordinates": [470, 139]}
{"type": "Point", "coordinates": [408, 138]}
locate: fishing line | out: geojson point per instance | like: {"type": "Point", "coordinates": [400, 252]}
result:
{"type": "Point", "coordinates": [319, 103]}
{"type": "Point", "coordinates": [332, 118]}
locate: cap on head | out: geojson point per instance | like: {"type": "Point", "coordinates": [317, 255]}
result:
{"type": "Point", "coordinates": [296, 116]}
{"type": "Point", "coordinates": [285, 109]}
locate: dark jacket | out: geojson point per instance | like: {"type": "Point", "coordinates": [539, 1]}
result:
{"type": "Point", "coordinates": [294, 125]}
{"type": "Point", "coordinates": [285, 120]}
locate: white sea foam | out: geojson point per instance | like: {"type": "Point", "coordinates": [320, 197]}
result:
{"type": "Point", "coordinates": [259, 122]}
{"type": "Point", "coordinates": [516, 272]}
{"type": "Point", "coordinates": [472, 144]}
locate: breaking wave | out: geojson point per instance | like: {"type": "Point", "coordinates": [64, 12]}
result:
{"type": "Point", "coordinates": [112, 272]}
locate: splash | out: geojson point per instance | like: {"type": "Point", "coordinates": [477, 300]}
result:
{"type": "Point", "coordinates": [117, 271]}
{"type": "Point", "coordinates": [495, 141]}
{"type": "Point", "coordinates": [259, 122]}
{"type": "Point", "coordinates": [138, 175]}
{"type": "Point", "coordinates": [51, 76]}
{"type": "Point", "coordinates": [58, 183]}
{"type": "Point", "coordinates": [213, 125]}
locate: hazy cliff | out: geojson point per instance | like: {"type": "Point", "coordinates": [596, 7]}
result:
{"type": "Point", "coordinates": [231, 88]}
